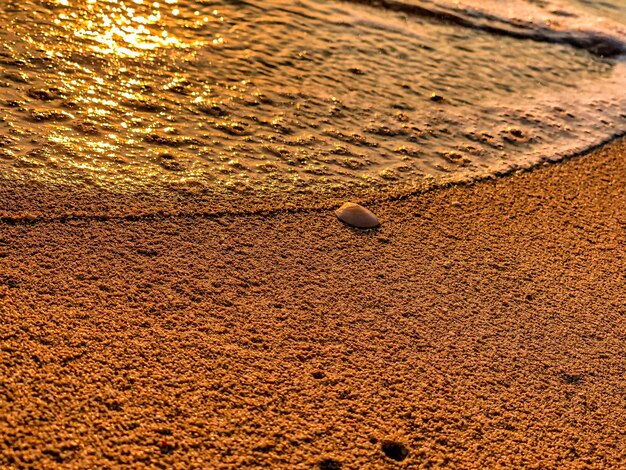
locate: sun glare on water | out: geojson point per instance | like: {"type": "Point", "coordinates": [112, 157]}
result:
{"type": "Point", "coordinates": [125, 30]}
{"type": "Point", "coordinates": [114, 62]}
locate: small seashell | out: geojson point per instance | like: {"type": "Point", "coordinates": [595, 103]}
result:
{"type": "Point", "coordinates": [357, 216]}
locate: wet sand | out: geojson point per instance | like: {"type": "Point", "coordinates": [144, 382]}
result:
{"type": "Point", "coordinates": [481, 326]}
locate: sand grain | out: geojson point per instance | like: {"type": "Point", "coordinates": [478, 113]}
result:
{"type": "Point", "coordinates": [487, 335]}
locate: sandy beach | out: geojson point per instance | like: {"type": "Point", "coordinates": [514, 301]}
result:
{"type": "Point", "coordinates": [480, 326]}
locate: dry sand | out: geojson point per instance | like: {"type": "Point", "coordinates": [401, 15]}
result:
{"type": "Point", "coordinates": [481, 326]}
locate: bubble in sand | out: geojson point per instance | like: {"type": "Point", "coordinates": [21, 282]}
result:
{"type": "Point", "coordinates": [357, 216]}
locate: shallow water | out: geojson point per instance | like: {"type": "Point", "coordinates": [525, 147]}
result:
{"type": "Point", "coordinates": [280, 97]}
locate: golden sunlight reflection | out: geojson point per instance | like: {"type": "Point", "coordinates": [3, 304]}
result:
{"type": "Point", "coordinates": [115, 28]}
{"type": "Point", "coordinates": [110, 56]}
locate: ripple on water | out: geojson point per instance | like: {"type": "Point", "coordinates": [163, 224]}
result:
{"type": "Point", "coordinates": [293, 97]}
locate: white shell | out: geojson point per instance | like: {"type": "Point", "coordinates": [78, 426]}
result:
{"type": "Point", "coordinates": [357, 216]}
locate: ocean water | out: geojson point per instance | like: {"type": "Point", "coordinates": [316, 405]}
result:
{"type": "Point", "coordinates": [278, 98]}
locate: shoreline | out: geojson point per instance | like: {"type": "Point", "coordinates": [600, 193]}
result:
{"type": "Point", "coordinates": [481, 325]}
{"type": "Point", "coordinates": [44, 202]}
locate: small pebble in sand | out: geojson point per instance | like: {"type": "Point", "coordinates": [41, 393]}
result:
{"type": "Point", "coordinates": [456, 204]}
{"type": "Point", "coordinates": [357, 216]}
{"type": "Point", "coordinates": [436, 98]}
